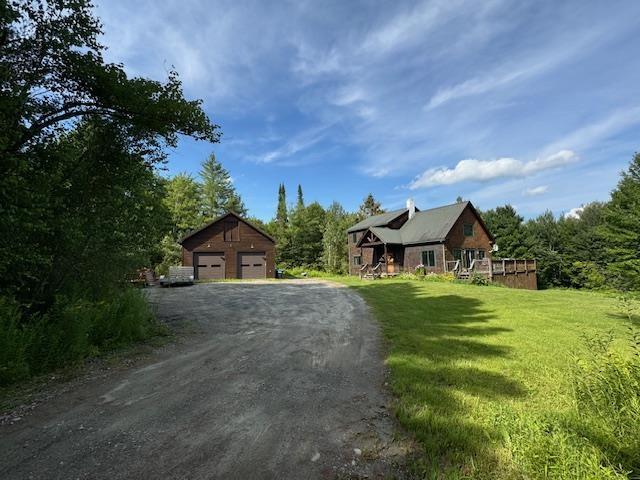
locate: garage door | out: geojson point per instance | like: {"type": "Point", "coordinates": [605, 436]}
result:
{"type": "Point", "coordinates": [209, 265]}
{"type": "Point", "coordinates": [252, 265]}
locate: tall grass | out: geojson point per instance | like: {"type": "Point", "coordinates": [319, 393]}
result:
{"type": "Point", "coordinates": [69, 332]}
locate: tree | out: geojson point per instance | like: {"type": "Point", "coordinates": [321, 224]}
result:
{"type": "Point", "coordinates": [183, 202]}
{"type": "Point", "coordinates": [53, 72]}
{"type": "Point", "coordinates": [506, 226]}
{"type": "Point", "coordinates": [306, 232]}
{"type": "Point", "coordinates": [369, 207]}
{"type": "Point", "coordinates": [621, 229]}
{"type": "Point", "coordinates": [281, 215]}
{"type": "Point", "coordinates": [300, 202]}
{"type": "Point", "coordinates": [335, 254]}
{"type": "Point", "coordinates": [78, 144]}
{"type": "Point", "coordinates": [218, 193]}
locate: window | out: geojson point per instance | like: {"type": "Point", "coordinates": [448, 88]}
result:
{"type": "Point", "coordinates": [357, 260]}
{"type": "Point", "coordinates": [480, 254]}
{"type": "Point", "coordinates": [429, 258]}
{"type": "Point", "coordinates": [457, 254]}
{"type": "Point", "coordinates": [354, 237]}
{"type": "Point", "coordinates": [231, 231]}
{"type": "Point", "coordinates": [468, 230]}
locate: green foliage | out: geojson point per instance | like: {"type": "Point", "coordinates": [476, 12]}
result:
{"type": "Point", "coordinates": [182, 200]}
{"type": "Point", "coordinates": [370, 206]}
{"type": "Point", "coordinates": [506, 225]}
{"type": "Point", "coordinates": [81, 205]}
{"type": "Point", "coordinates": [335, 248]}
{"type": "Point", "coordinates": [621, 230]}
{"type": "Point", "coordinates": [69, 331]}
{"type": "Point", "coordinates": [479, 279]}
{"type": "Point", "coordinates": [219, 196]}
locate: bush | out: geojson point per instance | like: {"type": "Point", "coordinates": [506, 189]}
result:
{"type": "Point", "coordinates": [479, 279]}
{"type": "Point", "coordinates": [607, 390]}
{"type": "Point", "coordinates": [13, 343]}
{"type": "Point", "coordinates": [69, 332]}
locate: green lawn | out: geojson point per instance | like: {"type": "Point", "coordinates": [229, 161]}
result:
{"type": "Point", "coordinates": [483, 376]}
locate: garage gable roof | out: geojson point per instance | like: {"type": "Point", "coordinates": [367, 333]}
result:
{"type": "Point", "coordinates": [222, 217]}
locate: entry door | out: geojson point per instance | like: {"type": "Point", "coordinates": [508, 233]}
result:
{"type": "Point", "coordinates": [252, 265]}
{"type": "Point", "coordinates": [210, 265]}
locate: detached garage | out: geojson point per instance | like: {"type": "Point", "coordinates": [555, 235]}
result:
{"type": "Point", "coordinates": [229, 247]}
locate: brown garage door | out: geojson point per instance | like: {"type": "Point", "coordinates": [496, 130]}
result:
{"type": "Point", "coordinates": [252, 265]}
{"type": "Point", "coordinates": [209, 265]}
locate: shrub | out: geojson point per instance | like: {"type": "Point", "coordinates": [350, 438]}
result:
{"type": "Point", "coordinates": [69, 332]}
{"type": "Point", "coordinates": [607, 390]}
{"type": "Point", "coordinates": [479, 279]}
{"type": "Point", "coordinates": [13, 343]}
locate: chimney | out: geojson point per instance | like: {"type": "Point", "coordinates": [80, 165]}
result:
{"type": "Point", "coordinates": [411, 206]}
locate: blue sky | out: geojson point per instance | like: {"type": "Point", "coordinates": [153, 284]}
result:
{"type": "Point", "coordinates": [536, 104]}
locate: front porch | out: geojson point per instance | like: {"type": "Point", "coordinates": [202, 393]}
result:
{"type": "Point", "coordinates": [387, 260]}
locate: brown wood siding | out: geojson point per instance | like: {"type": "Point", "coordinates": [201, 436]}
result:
{"type": "Point", "coordinates": [457, 239]}
{"type": "Point", "coordinates": [527, 281]}
{"type": "Point", "coordinates": [365, 253]}
{"type": "Point", "coordinates": [211, 239]}
{"type": "Point", "coordinates": [413, 257]}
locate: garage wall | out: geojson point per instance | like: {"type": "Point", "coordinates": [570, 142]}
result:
{"type": "Point", "coordinates": [211, 239]}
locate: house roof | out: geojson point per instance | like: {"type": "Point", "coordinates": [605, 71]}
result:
{"type": "Point", "coordinates": [432, 225]}
{"type": "Point", "coordinates": [222, 217]}
{"type": "Point", "coordinates": [426, 226]}
{"type": "Point", "coordinates": [377, 220]}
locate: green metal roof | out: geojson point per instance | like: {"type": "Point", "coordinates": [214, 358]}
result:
{"type": "Point", "coordinates": [387, 235]}
{"type": "Point", "coordinates": [431, 225]}
{"type": "Point", "coordinates": [377, 220]}
{"type": "Point", "coordinates": [426, 226]}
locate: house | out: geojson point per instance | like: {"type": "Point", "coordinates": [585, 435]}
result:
{"type": "Point", "coordinates": [441, 239]}
{"type": "Point", "coordinates": [229, 247]}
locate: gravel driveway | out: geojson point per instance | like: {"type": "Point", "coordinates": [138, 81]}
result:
{"type": "Point", "coordinates": [273, 380]}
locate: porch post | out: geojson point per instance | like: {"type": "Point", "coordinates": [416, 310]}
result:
{"type": "Point", "coordinates": [386, 259]}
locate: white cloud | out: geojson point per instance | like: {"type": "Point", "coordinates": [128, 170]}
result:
{"type": "Point", "coordinates": [535, 191]}
{"type": "Point", "coordinates": [297, 144]}
{"type": "Point", "coordinates": [574, 212]}
{"type": "Point", "coordinates": [473, 170]}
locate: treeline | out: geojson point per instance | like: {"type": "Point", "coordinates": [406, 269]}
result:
{"type": "Point", "coordinates": [599, 247]}
{"type": "Point", "coordinates": [307, 235]}
{"type": "Point", "coordinates": [81, 204]}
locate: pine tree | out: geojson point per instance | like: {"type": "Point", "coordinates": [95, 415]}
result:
{"type": "Point", "coordinates": [218, 193]}
{"type": "Point", "coordinates": [369, 207]}
{"type": "Point", "coordinates": [300, 203]}
{"type": "Point", "coordinates": [506, 225]}
{"type": "Point", "coordinates": [282, 218]}
{"type": "Point", "coordinates": [621, 229]}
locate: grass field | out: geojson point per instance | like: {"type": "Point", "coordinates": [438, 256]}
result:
{"type": "Point", "coordinates": [484, 378]}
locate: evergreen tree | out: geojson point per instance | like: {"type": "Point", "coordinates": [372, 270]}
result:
{"type": "Point", "coordinates": [369, 207]}
{"type": "Point", "coordinates": [300, 203]}
{"type": "Point", "coordinates": [621, 229]}
{"type": "Point", "coordinates": [282, 218]}
{"type": "Point", "coordinates": [506, 226]}
{"type": "Point", "coordinates": [305, 236]}
{"type": "Point", "coordinates": [218, 193]}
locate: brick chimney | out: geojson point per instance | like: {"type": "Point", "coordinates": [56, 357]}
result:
{"type": "Point", "coordinates": [411, 206]}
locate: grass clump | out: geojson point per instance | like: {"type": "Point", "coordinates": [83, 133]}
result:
{"type": "Point", "coordinates": [70, 331]}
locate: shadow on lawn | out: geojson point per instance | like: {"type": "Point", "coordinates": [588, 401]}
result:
{"type": "Point", "coordinates": [436, 350]}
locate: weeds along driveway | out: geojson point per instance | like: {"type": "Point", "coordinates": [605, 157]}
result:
{"type": "Point", "coordinates": [275, 380]}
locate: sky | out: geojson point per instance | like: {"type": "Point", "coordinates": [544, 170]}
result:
{"type": "Point", "coordinates": [536, 104]}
